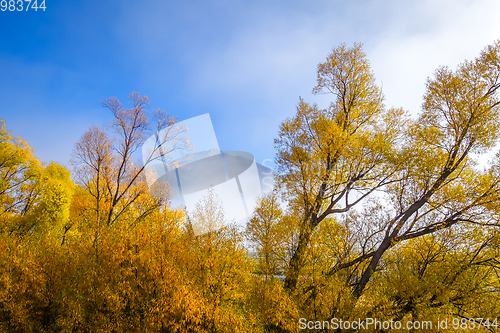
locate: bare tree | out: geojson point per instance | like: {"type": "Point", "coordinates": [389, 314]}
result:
{"type": "Point", "coordinates": [104, 165]}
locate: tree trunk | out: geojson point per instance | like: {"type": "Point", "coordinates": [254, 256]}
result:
{"type": "Point", "coordinates": [292, 274]}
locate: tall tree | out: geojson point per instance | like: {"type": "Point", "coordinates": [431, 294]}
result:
{"type": "Point", "coordinates": [326, 155]}
{"type": "Point", "coordinates": [330, 160]}
{"type": "Point", "coordinates": [440, 186]}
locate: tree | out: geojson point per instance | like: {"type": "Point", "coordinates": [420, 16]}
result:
{"type": "Point", "coordinates": [208, 215]}
{"type": "Point", "coordinates": [104, 166]}
{"type": "Point", "coordinates": [35, 204]}
{"type": "Point", "coordinates": [216, 266]}
{"type": "Point", "coordinates": [333, 159]}
{"type": "Point", "coordinates": [326, 155]}
{"type": "Point", "coordinates": [436, 276]}
{"type": "Point", "coordinates": [440, 186]}
{"type": "Point", "coordinates": [19, 172]}
{"type": "Point", "coordinates": [267, 234]}
{"type": "Point", "coordinates": [33, 196]}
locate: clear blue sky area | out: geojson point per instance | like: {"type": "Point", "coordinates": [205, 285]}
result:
{"type": "Point", "coordinates": [244, 62]}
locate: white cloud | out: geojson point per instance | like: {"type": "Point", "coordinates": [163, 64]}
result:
{"type": "Point", "coordinates": [255, 78]}
{"type": "Point", "coordinates": [405, 58]}
{"type": "Point", "coordinates": [247, 63]}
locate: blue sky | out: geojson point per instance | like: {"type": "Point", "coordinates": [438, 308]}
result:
{"type": "Point", "coordinates": [244, 62]}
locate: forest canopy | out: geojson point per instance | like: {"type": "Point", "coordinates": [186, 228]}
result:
{"type": "Point", "coordinates": [375, 214]}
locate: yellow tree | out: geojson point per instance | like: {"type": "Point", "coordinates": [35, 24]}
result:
{"type": "Point", "coordinates": [19, 173]}
{"type": "Point", "coordinates": [436, 276]}
{"type": "Point", "coordinates": [440, 187]}
{"type": "Point", "coordinates": [35, 202]}
{"type": "Point", "coordinates": [330, 160]}
{"type": "Point", "coordinates": [266, 231]}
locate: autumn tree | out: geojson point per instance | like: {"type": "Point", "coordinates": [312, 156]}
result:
{"type": "Point", "coordinates": [332, 159]}
{"type": "Point", "coordinates": [19, 172]}
{"type": "Point", "coordinates": [35, 202]}
{"type": "Point", "coordinates": [437, 276]}
{"type": "Point", "coordinates": [440, 187]}
{"type": "Point", "coordinates": [268, 235]}
{"type": "Point", "coordinates": [104, 165]}
{"type": "Point", "coordinates": [326, 155]}
{"type": "Point", "coordinates": [33, 196]}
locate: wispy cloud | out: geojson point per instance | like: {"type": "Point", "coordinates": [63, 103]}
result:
{"type": "Point", "coordinates": [246, 63]}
